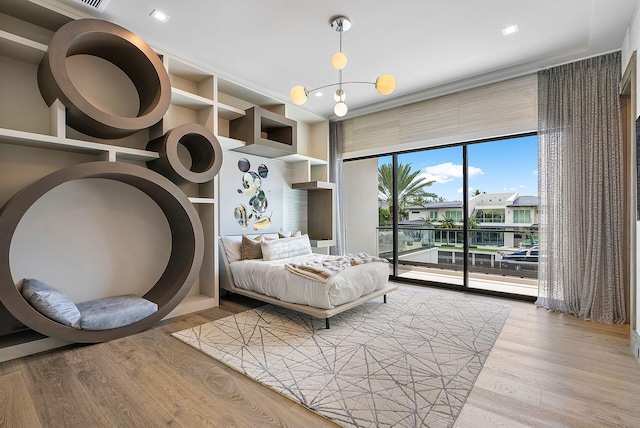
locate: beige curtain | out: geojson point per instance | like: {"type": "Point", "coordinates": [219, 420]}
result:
{"type": "Point", "coordinates": [581, 190]}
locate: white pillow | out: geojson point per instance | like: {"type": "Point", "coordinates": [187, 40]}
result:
{"type": "Point", "coordinates": [285, 248]}
{"type": "Point", "coordinates": [232, 247]}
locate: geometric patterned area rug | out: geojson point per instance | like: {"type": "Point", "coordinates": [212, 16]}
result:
{"type": "Point", "coordinates": [410, 362]}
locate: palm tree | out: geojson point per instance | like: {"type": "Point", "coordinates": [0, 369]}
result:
{"type": "Point", "coordinates": [411, 189]}
{"type": "Point", "coordinates": [448, 223]}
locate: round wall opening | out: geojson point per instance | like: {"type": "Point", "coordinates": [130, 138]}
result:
{"type": "Point", "coordinates": [204, 154]}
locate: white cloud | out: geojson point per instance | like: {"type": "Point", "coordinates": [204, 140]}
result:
{"type": "Point", "coordinates": [522, 186]}
{"type": "Point", "coordinates": [535, 172]}
{"type": "Point", "coordinates": [471, 189]}
{"type": "Point", "coordinates": [509, 189]}
{"type": "Point", "coordinates": [446, 172]}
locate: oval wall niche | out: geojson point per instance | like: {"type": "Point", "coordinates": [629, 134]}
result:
{"type": "Point", "coordinates": [124, 50]}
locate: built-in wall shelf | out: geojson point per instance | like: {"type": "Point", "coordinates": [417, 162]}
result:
{"type": "Point", "coordinates": [228, 112]}
{"type": "Point", "coordinates": [186, 99]}
{"type": "Point", "coordinates": [21, 138]}
{"type": "Point", "coordinates": [202, 200]}
{"type": "Point", "coordinates": [299, 158]}
{"type": "Point", "coordinates": [229, 143]}
{"type": "Point", "coordinates": [321, 220]}
{"type": "Point", "coordinates": [266, 133]}
{"type": "Point", "coordinates": [314, 185]}
{"type": "Point", "coordinates": [197, 96]}
{"type": "Point", "coordinates": [20, 48]}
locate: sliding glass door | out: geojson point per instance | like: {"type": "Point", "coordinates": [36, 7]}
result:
{"type": "Point", "coordinates": [461, 216]}
{"type": "Point", "coordinates": [503, 215]}
{"type": "Point", "coordinates": [430, 216]}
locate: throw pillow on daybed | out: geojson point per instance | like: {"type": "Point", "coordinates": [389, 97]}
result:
{"type": "Point", "coordinates": [51, 302]}
{"type": "Point", "coordinates": [99, 314]}
{"type": "Point", "coordinates": [285, 248]}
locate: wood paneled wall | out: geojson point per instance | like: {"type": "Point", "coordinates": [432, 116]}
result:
{"type": "Point", "coordinates": [487, 111]}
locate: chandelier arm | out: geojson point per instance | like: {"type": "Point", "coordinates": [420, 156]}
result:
{"type": "Point", "coordinates": [337, 84]}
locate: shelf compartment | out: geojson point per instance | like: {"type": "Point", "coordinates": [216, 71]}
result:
{"type": "Point", "coordinates": [228, 112]}
{"type": "Point", "coordinates": [321, 221]}
{"type": "Point", "coordinates": [21, 138]}
{"type": "Point", "coordinates": [189, 100]}
{"type": "Point", "coordinates": [266, 133]}
{"type": "Point", "coordinates": [189, 78]}
{"type": "Point", "coordinates": [18, 47]}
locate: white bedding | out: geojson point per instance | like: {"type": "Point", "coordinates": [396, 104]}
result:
{"type": "Point", "coordinates": [272, 279]}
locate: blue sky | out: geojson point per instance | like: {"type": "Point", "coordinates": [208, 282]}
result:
{"type": "Point", "coordinates": [500, 166]}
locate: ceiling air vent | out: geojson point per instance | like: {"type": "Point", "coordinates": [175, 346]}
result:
{"type": "Point", "coordinates": [98, 5]}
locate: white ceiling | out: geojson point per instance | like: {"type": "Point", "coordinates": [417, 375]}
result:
{"type": "Point", "coordinates": [430, 46]}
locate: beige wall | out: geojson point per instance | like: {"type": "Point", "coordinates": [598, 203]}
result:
{"type": "Point", "coordinates": [361, 205]}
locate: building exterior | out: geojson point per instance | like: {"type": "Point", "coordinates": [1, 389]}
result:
{"type": "Point", "coordinates": [504, 219]}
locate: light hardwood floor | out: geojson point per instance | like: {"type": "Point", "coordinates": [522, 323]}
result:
{"type": "Point", "coordinates": [545, 370]}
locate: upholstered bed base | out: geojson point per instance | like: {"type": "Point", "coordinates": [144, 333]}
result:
{"type": "Point", "coordinates": [226, 283]}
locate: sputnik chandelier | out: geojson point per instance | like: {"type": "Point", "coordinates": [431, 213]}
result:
{"type": "Point", "coordinates": [385, 84]}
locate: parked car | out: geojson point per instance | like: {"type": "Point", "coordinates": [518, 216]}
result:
{"type": "Point", "coordinates": [519, 260]}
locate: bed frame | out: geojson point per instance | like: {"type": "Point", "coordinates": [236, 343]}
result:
{"type": "Point", "coordinates": [226, 283]}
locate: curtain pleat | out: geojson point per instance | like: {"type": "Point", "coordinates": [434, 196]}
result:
{"type": "Point", "coordinates": [581, 190]}
{"type": "Point", "coordinates": [336, 141]}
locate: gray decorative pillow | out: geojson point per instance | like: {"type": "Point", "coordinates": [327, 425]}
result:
{"type": "Point", "coordinates": [285, 248]}
{"type": "Point", "coordinates": [51, 302]}
{"type": "Point", "coordinates": [114, 312]}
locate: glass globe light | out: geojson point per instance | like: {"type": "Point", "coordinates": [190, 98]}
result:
{"type": "Point", "coordinates": [340, 109]}
{"type": "Point", "coordinates": [339, 95]}
{"type": "Point", "coordinates": [298, 95]}
{"type": "Point", "coordinates": [386, 84]}
{"type": "Point", "coordinates": [339, 60]}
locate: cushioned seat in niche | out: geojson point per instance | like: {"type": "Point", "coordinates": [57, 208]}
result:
{"type": "Point", "coordinates": [114, 312]}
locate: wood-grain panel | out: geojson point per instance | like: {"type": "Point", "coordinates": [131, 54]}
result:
{"type": "Point", "coordinates": [16, 406]}
{"type": "Point", "coordinates": [58, 396]}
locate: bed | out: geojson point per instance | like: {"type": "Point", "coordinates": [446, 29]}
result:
{"type": "Point", "coordinates": [275, 276]}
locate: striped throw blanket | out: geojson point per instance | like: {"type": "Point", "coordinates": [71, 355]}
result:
{"type": "Point", "coordinates": [324, 267]}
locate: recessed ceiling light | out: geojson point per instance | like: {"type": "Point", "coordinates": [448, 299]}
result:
{"type": "Point", "coordinates": [509, 30]}
{"type": "Point", "coordinates": [318, 94]}
{"type": "Point", "coordinates": [159, 15]}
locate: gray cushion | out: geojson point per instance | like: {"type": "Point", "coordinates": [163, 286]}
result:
{"type": "Point", "coordinates": [51, 302]}
{"type": "Point", "coordinates": [114, 312]}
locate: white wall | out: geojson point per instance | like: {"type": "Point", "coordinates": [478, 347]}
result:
{"type": "Point", "coordinates": [361, 205]}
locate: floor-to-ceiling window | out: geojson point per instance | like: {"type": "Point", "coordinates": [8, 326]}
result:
{"type": "Point", "coordinates": [463, 216]}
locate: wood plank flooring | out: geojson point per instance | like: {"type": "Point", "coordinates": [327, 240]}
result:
{"type": "Point", "coordinates": [545, 370]}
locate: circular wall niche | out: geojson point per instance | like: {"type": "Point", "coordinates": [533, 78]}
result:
{"type": "Point", "coordinates": [203, 147]}
{"type": "Point", "coordinates": [121, 48]}
{"type": "Point", "coordinates": [187, 246]}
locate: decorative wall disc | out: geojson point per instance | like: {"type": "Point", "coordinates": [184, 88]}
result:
{"type": "Point", "coordinates": [123, 49]}
{"type": "Point", "coordinates": [187, 247]}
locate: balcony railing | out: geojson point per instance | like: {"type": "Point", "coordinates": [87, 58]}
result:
{"type": "Point", "coordinates": [491, 250]}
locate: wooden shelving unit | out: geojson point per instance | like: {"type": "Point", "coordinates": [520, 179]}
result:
{"type": "Point", "coordinates": [241, 118]}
